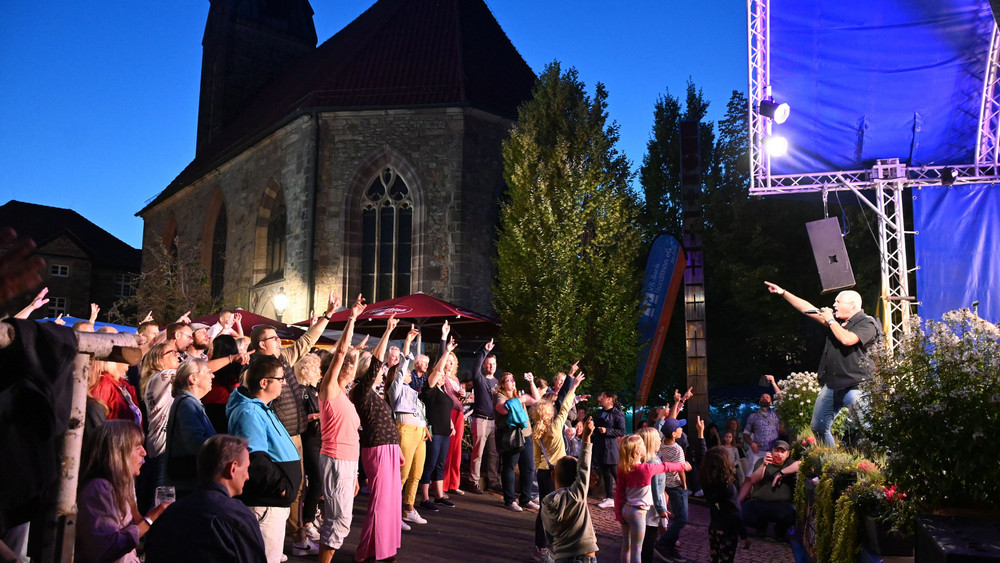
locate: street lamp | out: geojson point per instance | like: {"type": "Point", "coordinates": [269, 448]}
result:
{"type": "Point", "coordinates": [280, 302]}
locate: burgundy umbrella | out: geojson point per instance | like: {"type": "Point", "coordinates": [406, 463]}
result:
{"type": "Point", "coordinates": [426, 312]}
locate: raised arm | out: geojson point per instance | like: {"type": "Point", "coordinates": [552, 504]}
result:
{"type": "Point", "coordinates": [435, 375]}
{"type": "Point", "coordinates": [37, 303]}
{"type": "Point", "coordinates": [383, 344]}
{"type": "Point", "coordinates": [445, 331]}
{"type": "Point", "coordinates": [800, 305]}
{"type": "Point", "coordinates": [536, 395]}
{"type": "Point", "coordinates": [774, 384]}
{"type": "Point", "coordinates": [329, 388]}
{"type": "Point", "coordinates": [305, 342]}
{"type": "Point", "coordinates": [477, 372]}
{"type": "Point", "coordinates": [94, 309]}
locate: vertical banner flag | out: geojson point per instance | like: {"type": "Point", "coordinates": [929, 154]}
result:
{"type": "Point", "coordinates": [664, 276]}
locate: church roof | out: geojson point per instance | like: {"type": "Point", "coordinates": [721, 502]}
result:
{"type": "Point", "coordinates": [398, 53]}
{"type": "Point", "coordinates": [44, 224]}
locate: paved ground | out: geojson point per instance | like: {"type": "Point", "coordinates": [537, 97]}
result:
{"type": "Point", "coordinates": [480, 529]}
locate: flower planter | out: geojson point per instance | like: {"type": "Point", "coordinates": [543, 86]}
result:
{"type": "Point", "coordinates": [881, 541]}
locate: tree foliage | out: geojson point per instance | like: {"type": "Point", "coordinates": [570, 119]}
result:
{"type": "Point", "coordinates": [174, 283]}
{"type": "Point", "coordinates": [568, 275]}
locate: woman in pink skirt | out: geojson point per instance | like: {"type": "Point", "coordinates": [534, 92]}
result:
{"type": "Point", "coordinates": [380, 456]}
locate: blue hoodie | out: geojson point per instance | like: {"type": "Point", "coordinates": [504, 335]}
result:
{"type": "Point", "coordinates": [275, 471]}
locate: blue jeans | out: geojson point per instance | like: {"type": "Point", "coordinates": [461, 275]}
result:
{"type": "Point", "coordinates": [678, 500]}
{"type": "Point", "coordinates": [828, 404]}
{"type": "Point", "coordinates": [523, 459]}
{"type": "Point", "coordinates": [437, 454]}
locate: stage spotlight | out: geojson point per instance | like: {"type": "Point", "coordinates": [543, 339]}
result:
{"type": "Point", "coordinates": [947, 177]}
{"type": "Point", "coordinates": [776, 145]}
{"type": "Point", "coordinates": [773, 110]}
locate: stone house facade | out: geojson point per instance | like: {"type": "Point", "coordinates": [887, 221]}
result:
{"type": "Point", "coordinates": [368, 166]}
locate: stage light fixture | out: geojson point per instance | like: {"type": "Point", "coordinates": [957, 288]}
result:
{"type": "Point", "coordinates": [948, 177]}
{"type": "Point", "coordinates": [773, 110]}
{"type": "Point", "coordinates": [776, 145]}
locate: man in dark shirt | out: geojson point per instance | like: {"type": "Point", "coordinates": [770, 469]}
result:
{"type": "Point", "coordinates": [484, 449]}
{"type": "Point", "coordinates": [771, 489]}
{"type": "Point", "coordinates": [844, 363]}
{"type": "Point", "coordinates": [209, 524]}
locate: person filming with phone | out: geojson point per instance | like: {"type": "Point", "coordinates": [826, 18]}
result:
{"type": "Point", "coordinates": [771, 488]}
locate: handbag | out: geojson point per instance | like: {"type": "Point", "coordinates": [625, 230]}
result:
{"type": "Point", "coordinates": [510, 439]}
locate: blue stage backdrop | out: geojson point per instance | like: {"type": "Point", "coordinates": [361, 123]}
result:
{"type": "Point", "coordinates": [958, 250]}
{"type": "Point", "coordinates": [877, 79]}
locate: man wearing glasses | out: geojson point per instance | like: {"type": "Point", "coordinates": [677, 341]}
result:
{"type": "Point", "coordinates": [844, 363]}
{"type": "Point", "coordinates": [264, 340]}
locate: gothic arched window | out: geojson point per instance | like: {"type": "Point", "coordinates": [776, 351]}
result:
{"type": "Point", "coordinates": [387, 236]}
{"type": "Point", "coordinates": [219, 254]}
{"type": "Point", "coordinates": [276, 228]}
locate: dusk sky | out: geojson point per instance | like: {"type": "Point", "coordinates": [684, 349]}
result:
{"type": "Point", "coordinates": [99, 100]}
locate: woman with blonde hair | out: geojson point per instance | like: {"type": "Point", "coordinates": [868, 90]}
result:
{"type": "Point", "coordinates": [456, 391]}
{"type": "Point", "coordinates": [155, 378]}
{"type": "Point", "coordinates": [340, 446]}
{"type": "Point", "coordinates": [109, 524]}
{"type": "Point", "coordinates": [549, 445]}
{"type": "Point", "coordinates": [308, 373]}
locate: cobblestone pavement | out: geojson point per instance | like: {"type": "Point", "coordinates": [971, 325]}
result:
{"type": "Point", "coordinates": [480, 529]}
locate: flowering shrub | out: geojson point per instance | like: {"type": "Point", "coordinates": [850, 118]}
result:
{"type": "Point", "coordinates": [933, 411]}
{"type": "Point", "coordinates": [796, 401]}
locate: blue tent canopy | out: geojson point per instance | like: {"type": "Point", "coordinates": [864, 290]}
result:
{"type": "Point", "coordinates": [70, 321]}
{"type": "Point", "coordinates": [880, 79]}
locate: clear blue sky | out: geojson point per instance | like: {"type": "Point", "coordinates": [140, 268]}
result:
{"type": "Point", "coordinates": [99, 99]}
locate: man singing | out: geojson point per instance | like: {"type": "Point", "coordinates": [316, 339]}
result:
{"type": "Point", "coordinates": [844, 364]}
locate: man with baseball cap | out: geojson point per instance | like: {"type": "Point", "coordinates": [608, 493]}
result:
{"type": "Point", "coordinates": [771, 488]}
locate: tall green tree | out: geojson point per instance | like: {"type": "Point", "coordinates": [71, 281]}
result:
{"type": "Point", "coordinates": [660, 173]}
{"type": "Point", "coordinates": [568, 245]}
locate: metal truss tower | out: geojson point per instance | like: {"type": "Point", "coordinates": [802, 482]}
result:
{"type": "Point", "coordinates": [887, 180]}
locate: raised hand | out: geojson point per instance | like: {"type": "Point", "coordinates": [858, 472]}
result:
{"type": "Point", "coordinates": [358, 307]}
{"type": "Point", "coordinates": [688, 394]}
{"type": "Point", "coordinates": [59, 320]}
{"type": "Point", "coordinates": [576, 382]}
{"type": "Point", "coordinates": [574, 368]}
{"type": "Point", "coordinates": [94, 309]}
{"type": "Point", "coordinates": [774, 288]}
{"type": "Point", "coordinates": [445, 330]}
{"type": "Point", "coordinates": [185, 318]}
{"type": "Point", "coordinates": [489, 345]}
{"type": "Point", "coordinates": [148, 318]}
{"type": "Point", "coordinates": [452, 345]}
{"type": "Point", "coordinates": [413, 333]}
{"type": "Point", "coordinates": [391, 322]}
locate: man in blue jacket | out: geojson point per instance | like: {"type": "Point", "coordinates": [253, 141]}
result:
{"type": "Point", "coordinates": [275, 471]}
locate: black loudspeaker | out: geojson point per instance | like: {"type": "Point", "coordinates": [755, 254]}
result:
{"type": "Point", "coordinates": [828, 248]}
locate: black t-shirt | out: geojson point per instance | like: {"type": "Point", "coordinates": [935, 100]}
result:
{"type": "Point", "coordinates": [439, 406]}
{"type": "Point", "coordinates": [842, 367]}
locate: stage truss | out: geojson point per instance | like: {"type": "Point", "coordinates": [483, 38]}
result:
{"type": "Point", "coordinates": [881, 187]}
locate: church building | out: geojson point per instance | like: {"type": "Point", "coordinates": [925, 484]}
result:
{"type": "Point", "coordinates": [369, 164]}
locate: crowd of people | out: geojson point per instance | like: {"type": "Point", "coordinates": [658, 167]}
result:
{"type": "Point", "coordinates": [260, 441]}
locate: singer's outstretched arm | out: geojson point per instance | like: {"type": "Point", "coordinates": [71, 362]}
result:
{"type": "Point", "coordinates": [801, 305]}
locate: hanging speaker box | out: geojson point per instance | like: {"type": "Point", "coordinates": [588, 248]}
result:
{"type": "Point", "coordinates": [828, 248]}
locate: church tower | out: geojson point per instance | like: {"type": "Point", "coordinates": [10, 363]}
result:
{"type": "Point", "coordinates": [247, 44]}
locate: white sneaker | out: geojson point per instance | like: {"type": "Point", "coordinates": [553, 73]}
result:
{"type": "Point", "coordinates": [532, 505]}
{"type": "Point", "coordinates": [404, 526]}
{"type": "Point", "coordinates": [414, 516]}
{"type": "Point", "coordinates": [606, 503]}
{"type": "Point", "coordinates": [284, 558]}
{"type": "Point", "coordinates": [311, 532]}
{"type": "Point", "coordinates": [305, 547]}
{"type": "Point", "coordinates": [514, 507]}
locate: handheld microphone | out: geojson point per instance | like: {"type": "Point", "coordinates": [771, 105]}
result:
{"type": "Point", "coordinates": [811, 311]}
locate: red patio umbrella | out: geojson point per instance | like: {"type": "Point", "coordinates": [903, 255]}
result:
{"type": "Point", "coordinates": [426, 312]}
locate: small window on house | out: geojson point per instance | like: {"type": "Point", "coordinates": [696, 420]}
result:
{"type": "Point", "coordinates": [59, 270]}
{"type": "Point", "coordinates": [57, 306]}
{"type": "Point", "coordinates": [124, 285]}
